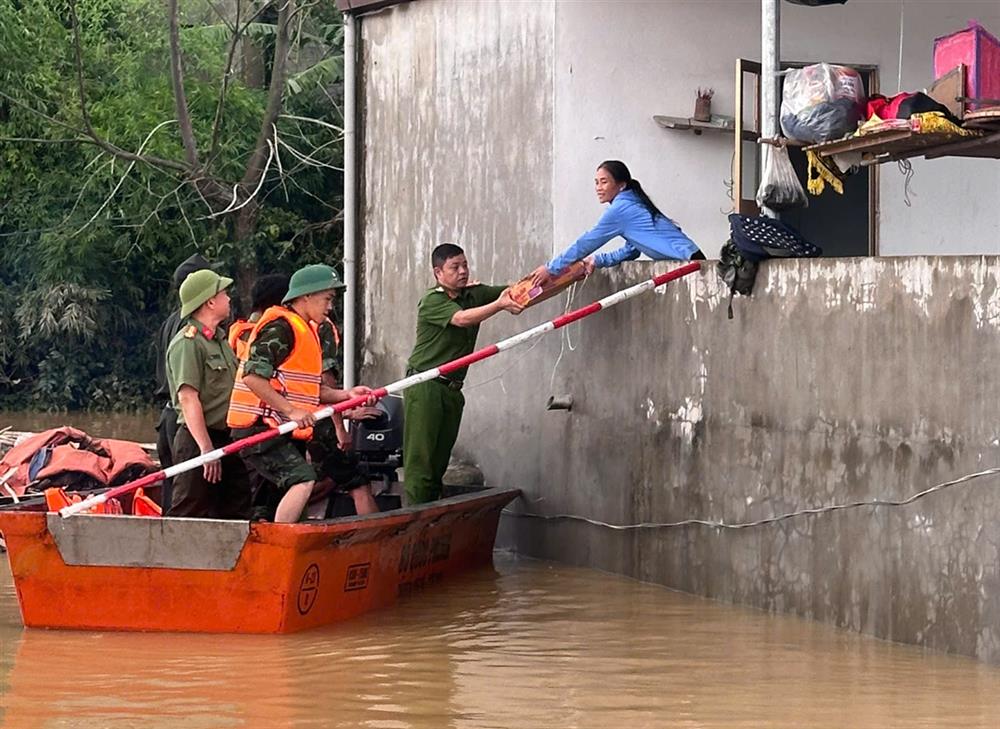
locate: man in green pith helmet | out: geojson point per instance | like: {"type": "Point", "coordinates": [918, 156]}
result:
{"type": "Point", "coordinates": [281, 380]}
{"type": "Point", "coordinates": [448, 319]}
{"type": "Point", "coordinates": [166, 428]}
{"type": "Point", "coordinates": [201, 369]}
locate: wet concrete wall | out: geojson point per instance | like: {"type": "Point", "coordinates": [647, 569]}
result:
{"type": "Point", "coordinates": [451, 156]}
{"type": "Point", "coordinates": [840, 380]}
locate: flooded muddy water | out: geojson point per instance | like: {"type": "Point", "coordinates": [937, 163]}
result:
{"type": "Point", "coordinates": [527, 644]}
{"type": "Point", "coordinates": [137, 426]}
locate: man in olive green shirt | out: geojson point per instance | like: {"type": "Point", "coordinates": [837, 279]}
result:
{"type": "Point", "coordinates": [201, 369]}
{"type": "Point", "coordinates": [448, 319]}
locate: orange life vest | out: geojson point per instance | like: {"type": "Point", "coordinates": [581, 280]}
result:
{"type": "Point", "coordinates": [73, 457]}
{"type": "Point", "coordinates": [239, 337]}
{"type": "Point", "coordinates": [297, 379]}
{"type": "Point", "coordinates": [56, 499]}
{"type": "Point", "coordinates": [143, 505]}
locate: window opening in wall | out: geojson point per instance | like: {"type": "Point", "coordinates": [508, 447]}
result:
{"type": "Point", "coordinates": [842, 225]}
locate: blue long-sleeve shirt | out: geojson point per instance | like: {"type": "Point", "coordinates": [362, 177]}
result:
{"type": "Point", "coordinates": [627, 217]}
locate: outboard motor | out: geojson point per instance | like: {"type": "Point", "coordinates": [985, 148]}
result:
{"type": "Point", "coordinates": [378, 441]}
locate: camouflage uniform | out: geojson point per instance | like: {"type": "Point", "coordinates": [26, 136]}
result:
{"type": "Point", "coordinates": [281, 460]}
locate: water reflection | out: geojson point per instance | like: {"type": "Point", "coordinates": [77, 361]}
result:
{"type": "Point", "coordinates": [529, 645]}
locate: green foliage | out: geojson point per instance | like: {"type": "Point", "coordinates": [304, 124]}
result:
{"type": "Point", "coordinates": [89, 242]}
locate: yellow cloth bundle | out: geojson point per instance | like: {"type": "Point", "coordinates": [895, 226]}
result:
{"type": "Point", "coordinates": [820, 174]}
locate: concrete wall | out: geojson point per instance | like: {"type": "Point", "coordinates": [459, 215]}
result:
{"type": "Point", "coordinates": [452, 156]}
{"type": "Point", "coordinates": [839, 380]}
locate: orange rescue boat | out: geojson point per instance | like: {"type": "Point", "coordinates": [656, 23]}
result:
{"type": "Point", "coordinates": [100, 572]}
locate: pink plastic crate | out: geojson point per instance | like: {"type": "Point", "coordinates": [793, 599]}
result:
{"type": "Point", "coordinates": [979, 50]}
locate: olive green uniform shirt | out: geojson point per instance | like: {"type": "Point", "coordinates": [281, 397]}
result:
{"type": "Point", "coordinates": [328, 342]}
{"type": "Point", "coordinates": [438, 340]}
{"type": "Point", "coordinates": [207, 364]}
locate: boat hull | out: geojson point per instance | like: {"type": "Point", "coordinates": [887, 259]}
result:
{"type": "Point", "coordinates": [199, 575]}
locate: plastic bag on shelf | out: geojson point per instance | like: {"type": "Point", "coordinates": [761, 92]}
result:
{"type": "Point", "coordinates": [821, 102]}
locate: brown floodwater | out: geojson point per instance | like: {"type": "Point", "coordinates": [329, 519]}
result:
{"type": "Point", "coordinates": [527, 644]}
{"type": "Point", "coordinates": [138, 426]}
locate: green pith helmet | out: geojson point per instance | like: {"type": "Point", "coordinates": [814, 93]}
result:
{"type": "Point", "coordinates": [199, 287]}
{"type": "Point", "coordinates": [311, 279]}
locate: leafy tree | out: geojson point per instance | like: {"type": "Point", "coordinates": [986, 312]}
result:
{"type": "Point", "coordinates": [133, 133]}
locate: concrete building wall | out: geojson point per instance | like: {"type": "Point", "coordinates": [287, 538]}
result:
{"type": "Point", "coordinates": [449, 155]}
{"type": "Point", "coordinates": [840, 380]}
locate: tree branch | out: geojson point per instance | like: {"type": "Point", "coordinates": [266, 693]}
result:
{"type": "Point", "coordinates": [121, 181]}
{"type": "Point", "coordinates": [277, 159]}
{"type": "Point", "coordinates": [238, 32]}
{"type": "Point", "coordinates": [260, 183]}
{"type": "Point", "coordinates": [224, 19]}
{"type": "Point", "coordinates": [306, 159]}
{"type": "Point", "coordinates": [194, 238]}
{"type": "Point", "coordinates": [87, 137]}
{"type": "Point", "coordinates": [180, 99]}
{"type": "Point", "coordinates": [37, 140]}
{"type": "Point", "coordinates": [220, 105]}
{"type": "Point", "coordinates": [85, 114]}
{"type": "Point", "coordinates": [275, 97]}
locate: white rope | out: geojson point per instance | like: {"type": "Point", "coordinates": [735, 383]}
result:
{"type": "Point", "coordinates": [564, 338]}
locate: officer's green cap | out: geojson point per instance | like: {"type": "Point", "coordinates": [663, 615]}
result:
{"type": "Point", "coordinates": [311, 279]}
{"type": "Point", "coordinates": [199, 287]}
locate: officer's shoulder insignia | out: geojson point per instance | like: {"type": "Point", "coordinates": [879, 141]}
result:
{"type": "Point", "coordinates": [190, 331]}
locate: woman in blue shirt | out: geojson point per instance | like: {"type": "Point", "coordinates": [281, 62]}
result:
{"type": "Point", "coordinates": [631, 215]}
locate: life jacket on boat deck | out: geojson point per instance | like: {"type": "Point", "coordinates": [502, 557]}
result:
{"type": "Point", "coordinates": [297, 379]}
{"type": "Point", "coordinates": [143, 505]}
{"type": "Point", "coordinates": [57, 499]}
{"type": "Point", "coordinates": [70, 458]}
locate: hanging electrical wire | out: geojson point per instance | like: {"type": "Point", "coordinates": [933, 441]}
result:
{"type": "Point", "coordinates": [761, 522]}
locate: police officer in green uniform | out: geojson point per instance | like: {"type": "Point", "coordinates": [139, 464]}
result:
{"type": "Point", "coordinates": [166, 428]}
{"type": "Point", "coordinates": [201, 369]}
{"type": "Point", "coordinates": [282, 460]}
{"type": "Point", "coordinates": [448, 319]}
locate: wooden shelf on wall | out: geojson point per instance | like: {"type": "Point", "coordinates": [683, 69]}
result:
{"type": "Point", "coordinates": [683, 123]}
{"type": "Point", "coordinates": [892, 145]}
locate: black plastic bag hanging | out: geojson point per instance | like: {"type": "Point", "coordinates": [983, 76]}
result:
{"type": "Point", "coordinates": [816, 3]}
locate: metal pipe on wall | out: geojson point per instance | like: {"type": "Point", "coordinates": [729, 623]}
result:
{"type": "Point", "coordinates": [350, 198]}
{"type": "Point", "coordinates": [770, 65]}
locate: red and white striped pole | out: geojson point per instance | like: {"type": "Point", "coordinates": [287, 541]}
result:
{"type": "Point", "coordinates": [395, 387]}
